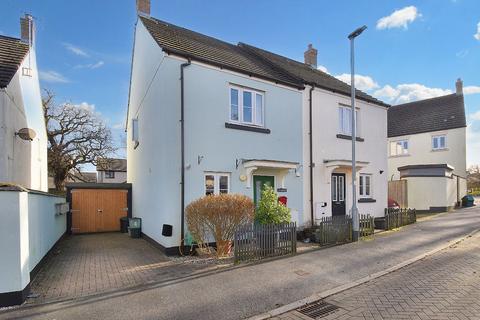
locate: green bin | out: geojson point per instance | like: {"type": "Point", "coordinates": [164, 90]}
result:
{"type": "Point", "coordinates": [135, 227]}
{"type": "Point", "coordinates": [468, 201]}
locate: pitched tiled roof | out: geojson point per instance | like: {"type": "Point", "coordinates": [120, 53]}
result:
{"type": "Point", "coordinates": [12, 53]}
{"type": "Point", "coordinates": [310, 75]}
{"type": "Point", "coordinates": [111, 164]}
{"type": "Point", "coordinates": [440, 113]}
{"type": "Point", "coordinates": [190, 44]}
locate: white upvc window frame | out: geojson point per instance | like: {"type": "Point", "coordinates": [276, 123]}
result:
{"type": "Point", "coordinates": [341, 117]}
{"type": "Point", "coordinates": [240, 106]}
{"type": "Point", "coordinates": [399, 144]}
{"type": "Point", "coordinates": [216, 182]}
{"type": "Point", "coordinates": [362, 185]}
{"type": "Point", "coordinates": [438, 138]}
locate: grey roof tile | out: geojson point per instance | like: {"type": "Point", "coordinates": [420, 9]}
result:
{"type": "Point", "coordinates": [190, 44]}
{"type": "Point", "coordinates": [12, 53]}
{"type": "Point", "coordinates": [435, 114]}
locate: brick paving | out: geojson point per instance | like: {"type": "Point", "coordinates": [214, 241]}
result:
{"type": "Point", "coordinates": [83, 265]}
{"type": "Point", "coordinates": [443, 286]}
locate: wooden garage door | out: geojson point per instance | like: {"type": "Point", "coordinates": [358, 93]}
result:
{"type": "Point", "coordinates": [98, 210]}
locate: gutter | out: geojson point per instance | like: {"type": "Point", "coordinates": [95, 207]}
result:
{"type": "Point", "coordinates": [182, 150]}
{"type": "Point", "coordinates": [310, 142]}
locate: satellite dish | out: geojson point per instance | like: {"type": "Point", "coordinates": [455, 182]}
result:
{"type": "Point", "coordinates": [26, 134]}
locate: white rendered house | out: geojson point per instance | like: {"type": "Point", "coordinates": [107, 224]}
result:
{"type": "Point", "coordinates": [427, 147]}
{"type": "Point", "coordinates": [206, 116]}
{"type": "Point", "coordinates": [23, 157]}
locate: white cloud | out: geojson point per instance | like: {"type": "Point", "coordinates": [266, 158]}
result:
{"type": "Point", "coordinates": [90, 65]}
{"type": "Point", "coordinates": [471, 89]}
{"type": "Point", "coordinates": [473, 143]}
{"type": "Point", "coordinates": [52, 76]}
{"type": "Point", "coordinates": [408, 92]}
{"type": "Point", "coordinates": [399, 18]}
{"type": "Point", "coordinates": [118, 126]}
{"type": "Point", "coordinates": [75, 50]}
{"type": "Point", "coordinates": [364, 83]}
{"type": "Point", "coordinates": [477, 35]}
{"type": "Point", "coordinates": [323, 68]}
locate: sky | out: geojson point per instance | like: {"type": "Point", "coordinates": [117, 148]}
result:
{"type": "Point", "coordinates": [411, 50]}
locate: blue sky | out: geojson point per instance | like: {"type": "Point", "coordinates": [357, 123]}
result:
{"type": "Point", "coordinates": [416, 51]}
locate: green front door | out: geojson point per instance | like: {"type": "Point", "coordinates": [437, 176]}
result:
{"type": "Point", "coordinates": [259, 183]}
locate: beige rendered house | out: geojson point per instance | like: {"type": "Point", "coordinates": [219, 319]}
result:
{"type": "Point", "coordinates": [427, 148]}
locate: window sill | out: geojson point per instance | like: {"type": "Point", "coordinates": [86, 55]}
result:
{"type": "Point", "coordinates": [366, 200]}
{"type": "Point", "coordinates": [347, 137]}
{"type": "Point", "coordinates": [439, 150]}
{"type": "Point", "coordinates": [400, 155]}
{"type": "Point", "coordinates": [246, 128]}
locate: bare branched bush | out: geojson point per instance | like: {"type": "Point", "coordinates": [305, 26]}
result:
{"type": "Point", "coordinates": [218, 216]}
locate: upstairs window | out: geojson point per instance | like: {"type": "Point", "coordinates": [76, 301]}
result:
{"type": "Point", "coordinates": [439, 142]}
{"type": "Point", "coordinates": [398, 148]}
{"type": "Point", "coordinates": [345, 120]}
{"type": "Point", "coordinates": [216, 183]}
{"type": "Point", "coordinates": [246, 106]}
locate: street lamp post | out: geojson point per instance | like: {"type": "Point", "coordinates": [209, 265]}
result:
{"type": "Point", "coordinates": [355, 218]}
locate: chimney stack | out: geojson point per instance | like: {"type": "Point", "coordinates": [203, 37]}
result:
{"type": "Point", "coordinates": [459, 86]}
{"type": "Point", "coordinates": [143, 7]}
{"type": "Point", "coordinates": [311, 56]}
{"type": "Point", "coordinates": [27, 29]}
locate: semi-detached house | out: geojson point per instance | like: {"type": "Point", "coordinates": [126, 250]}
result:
{"type": "Point", "coordinates": [207, 117]}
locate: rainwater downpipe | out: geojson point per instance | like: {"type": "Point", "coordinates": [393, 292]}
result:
{"type": "Point", "coordinates": [310, 137]}
{"type": "Point", "coordinates": [182, 151]}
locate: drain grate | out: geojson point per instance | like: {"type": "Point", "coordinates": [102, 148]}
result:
{"type": "Point", "coordinates": [317, 309]}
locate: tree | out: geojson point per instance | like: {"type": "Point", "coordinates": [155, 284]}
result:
{"type": "Point", "coordinates": [77, 135]}
{"type": "Point", "coordinates": [473, 177]}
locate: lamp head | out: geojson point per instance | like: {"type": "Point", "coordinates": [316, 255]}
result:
{"type": "Point", "coordinates": [357, 32]}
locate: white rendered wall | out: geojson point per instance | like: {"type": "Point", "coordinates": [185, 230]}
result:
{"type": "Point", "coordinates": [372, 127]}
{"type": "Point", "coordinates": [120, 177]}
{"type": "Point", "coordinates": [23, 162]}
{"type": "Point", "coordinates": [28, 231]}
{"type": "Point", "coordinates": [420, 152]}
{"type": "Point", "coordinates": [442, 192]}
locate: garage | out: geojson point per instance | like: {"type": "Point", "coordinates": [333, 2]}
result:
{"type": "Point", "coordinates": [97, 207]}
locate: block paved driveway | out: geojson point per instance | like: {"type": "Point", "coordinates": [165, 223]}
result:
{"type": "Point", "coordinates": [83, 265]}
{"type": "Point", "coordinates": [443, 286]}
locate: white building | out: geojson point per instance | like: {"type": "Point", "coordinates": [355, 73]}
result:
{"type": "Point", "coordinates": [112, 171]}
{"type": "Point", "coordinates": [427, 147]}
{"type": "Point", "coordinates": [22, 161]}
{"type": "Point", "coordinates": [206, 116]}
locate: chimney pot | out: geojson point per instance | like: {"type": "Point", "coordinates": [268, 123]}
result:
{"type": "Point", "coordinates": [311, 56]}
{"type": "Point", "coordinates": [27, 30]}
{"type": "Point", "coordinates": [143, 7]}
{"type": "Point", "coordinates": [459, 86]}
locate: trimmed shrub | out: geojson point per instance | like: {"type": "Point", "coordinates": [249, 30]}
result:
{"type": "Point", "coordinates": [218, 216]}
{"type": "Point", "coordinates": [270, 210]}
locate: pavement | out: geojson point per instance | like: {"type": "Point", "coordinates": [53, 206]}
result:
{"type": "Point", "coordinates": [254, 289]}
{"type": "Point", "coordinates": [445, 285]}
{"type": "Point", "coordinates": [83, 265]}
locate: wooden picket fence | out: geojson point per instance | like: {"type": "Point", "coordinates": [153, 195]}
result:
{"type": "Point", "coordinates": [339, 229]}
{"type": "Point", "coordinates": [396, 218]}
{"type": "Point", "coordinates": [255, 241]}
{"type": "Point", "coordinates": [367, 225]}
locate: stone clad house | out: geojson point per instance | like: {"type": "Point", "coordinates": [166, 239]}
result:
{"type": "Point", "coordinates": [427, 147]}
{"type": "Point", "coordinates": [207, 117]}
{"type": "Point", "coordinates": [23, 137]}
